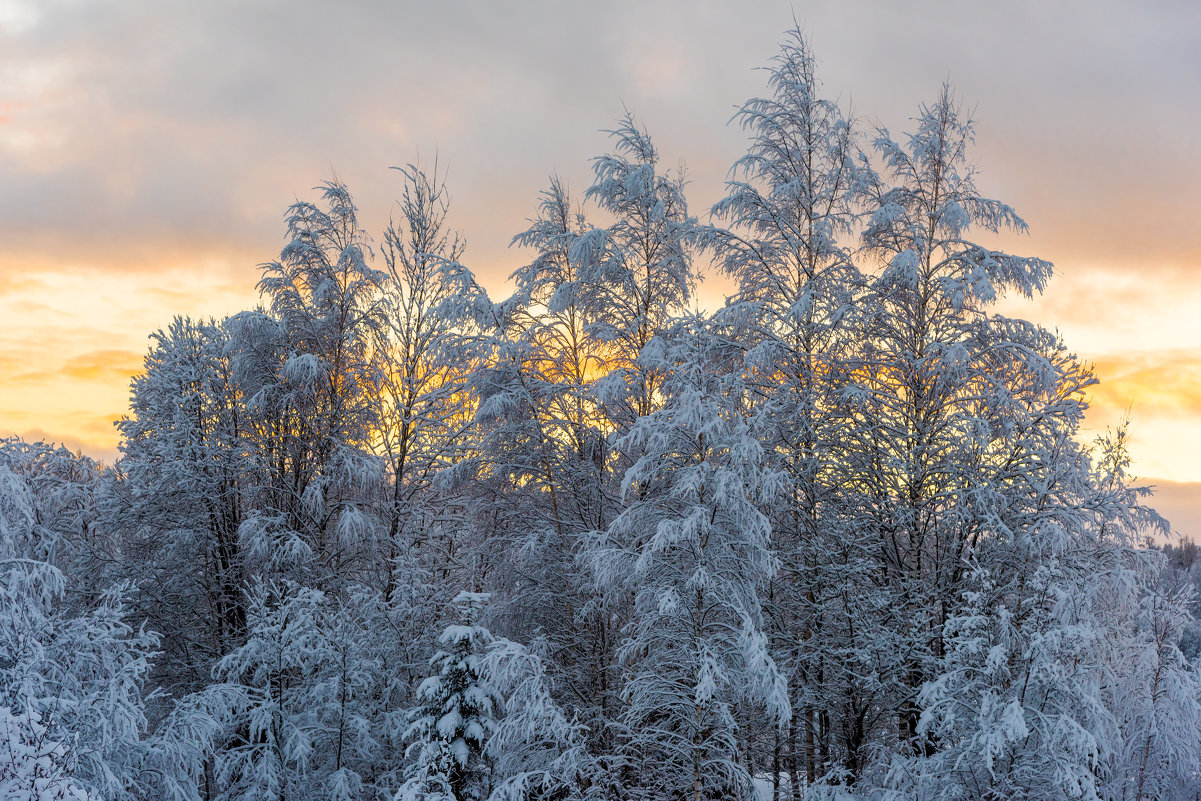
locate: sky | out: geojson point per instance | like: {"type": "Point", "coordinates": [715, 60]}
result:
{"type": "Point", "coordinates": [148, 151]}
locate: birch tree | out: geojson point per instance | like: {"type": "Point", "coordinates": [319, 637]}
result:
{"type": "Point", "coordinates": [71, 679]}
{"type": "Point", "coordinates": [792, 202]}
{"type": "Point", "coordinates": [694, 551]}
{"type": "Point", "coordinates": [936, 378]}
{"type": "Point", "coordinates": [185, 475]}
{"type": "Point", "coordinates": [307, 372]}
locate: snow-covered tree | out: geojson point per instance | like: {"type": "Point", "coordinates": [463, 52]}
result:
{"type": "Point", "coordinates": [636, 275]}
{"type": "Point", "coordinates": [1015, 711]}
{"type": "Point", "coordinates": [307, 370]}
{"type": "Point", "coordinates": [184, 478]}
{"type": "Point", "coordinates": [942, 385]}
{"type": "Point", "coordinates": [554, 364]}
{"type": "Point", "coordinates": [424, 407]}
{"type": "Point", "coordinates": [455, 715]}
{"type": "Point", "coordinates": [305, 702]}
{"type": "Point", "coordinates": [547, 462]}
{"type": "Point", "coordinates": [273, 730]}
{"type": "Point", "coordinates": [536, 750]}
{"type": "Point", "coordinates": [71, 674]}
{"type": "Point", "coordinates": [694, 550]}
{"type": "Point", "coordinates": [838, 539]}
{"type": "Point", "coordinates": [1157, 699]}
{"type": "Point", "coordinates": [33, 765]}
{"type": "Point", "coordinates": [791, 203]}
{"type": "Point", "coordinates": [1153, 689]}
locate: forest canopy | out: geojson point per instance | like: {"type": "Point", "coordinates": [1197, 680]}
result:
{"type": "Point", "coordinates": [386, 537]}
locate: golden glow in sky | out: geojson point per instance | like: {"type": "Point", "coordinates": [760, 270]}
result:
{"type": "Point", "coordinates": [148, 151]}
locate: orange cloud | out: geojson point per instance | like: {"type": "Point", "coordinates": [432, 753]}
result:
{"type": "Point", "coordinates": [104, 450]}
{"type": "Point", "coordinates": [75, 335]}
{"type": "Point", "coordinates": [101, 365]}
{"type": "Point", "coordinates": [97, 365]}
{"type": "Point", "coordinates": [1158, 383]}
{"type": "Point", "coordinates": [14, 279]}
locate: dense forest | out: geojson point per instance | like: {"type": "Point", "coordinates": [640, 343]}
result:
{"type": "Point", "coordinates": [387, 538]}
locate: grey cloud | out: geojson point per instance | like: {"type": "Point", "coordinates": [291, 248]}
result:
{"type": "Point", "coordinates": [198, 122]}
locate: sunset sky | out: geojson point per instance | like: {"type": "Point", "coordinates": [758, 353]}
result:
{"type": "Point", "coordinates": [148, 151]}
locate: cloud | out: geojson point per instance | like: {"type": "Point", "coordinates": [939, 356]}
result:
{"type": "Point", "coordinates": [1160, 383]}
{"type": "Point", "coordinates": [148, 151]}
{"type": "Point", "coordinates": [16, 16]}
{"type": "Point", "coordinates": [1180, 503]}
{"type": "Point", "coordinates": [1159, 394]}
{"type": "Point", "coordinates": [102, 451]}
{"type": "Point", "coordinates": [14, 280]}
{"type": "Point", "coordinates": [1103, 311]}
{"type": "Point", "coordinates": [176, 124]}
{"type": "Point", "coordinates": [102, 365]}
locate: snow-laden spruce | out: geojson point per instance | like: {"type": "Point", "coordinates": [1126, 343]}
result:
{"type": "Point", "coordinates": [455, 715]}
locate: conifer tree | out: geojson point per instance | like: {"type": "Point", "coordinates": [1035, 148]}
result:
{"type": "Point", "coordinates": [455, 715]}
